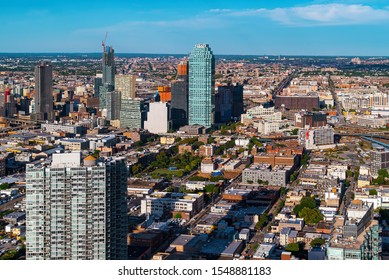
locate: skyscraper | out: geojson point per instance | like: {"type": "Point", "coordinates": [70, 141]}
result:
{"type": "Point", "coordinates": [201, 86]}
{"type": "Point", "coordinates": [132, 113]}
{"type": "Point", "coordinates": [108, 80]}
{"type": "Point", "coordinates": [109, 66]}
{"type": "Point", "coordinates": [44, 92]}
{"type": "Point", "coordinates": [126, 85]}
{"type": "Point", "coordinates": [114, 101]}
{"type": "Point", "coordinates": [77, 209]}
{"type": "Point", "coordinates": [179, 102]}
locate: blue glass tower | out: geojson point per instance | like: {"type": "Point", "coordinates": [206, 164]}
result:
{"type": "Point", "coordinates": [108, 81]}
{"type": "Point", "coordinates": [201, 86]}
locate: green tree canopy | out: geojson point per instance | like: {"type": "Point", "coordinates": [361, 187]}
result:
{"type": "Point", "coordinates": [372, 192]}
{"type": "Point", "coordinates": [292, 247]}
{"type": "Point", "coordinates": [317, 242]}
{"type": "Point", "coordinates": [306, 201]}
{"type": "Point", "coordinates": [311, 216]}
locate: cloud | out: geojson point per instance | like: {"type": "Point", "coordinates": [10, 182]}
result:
{"type": "Point", "coordinates": [319, 14]}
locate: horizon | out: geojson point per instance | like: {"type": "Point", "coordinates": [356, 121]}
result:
{"type": "Point", "coordinates": [187, 54]}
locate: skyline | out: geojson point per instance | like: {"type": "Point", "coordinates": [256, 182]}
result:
{"type": "Point", "coordinates": [319, 27]}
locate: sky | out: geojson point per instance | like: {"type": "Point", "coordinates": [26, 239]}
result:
{"type": "Point", "coordinates": [248, 27]}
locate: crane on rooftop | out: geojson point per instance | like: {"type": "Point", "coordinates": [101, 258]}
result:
{"type": "Point", "coordinates": [103, 42]}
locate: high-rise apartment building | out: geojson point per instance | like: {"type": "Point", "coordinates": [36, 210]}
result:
{"type": "Point", "coordinates": [379, 160]}
{"type": "Point", "coordinates": [77, 209]}
{"type": "Point", "coordinates": [201, 86]}
{"type": "Point", "coordinates": [44, 92]}
{"type": "Point", "coordinates": [126, 85]}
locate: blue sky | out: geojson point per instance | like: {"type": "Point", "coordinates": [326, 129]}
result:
{"type": "Point", "coordinates": [316, 27]}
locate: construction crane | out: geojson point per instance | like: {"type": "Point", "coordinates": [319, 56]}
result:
{"type": "Point", "coordinates": [103, 42]}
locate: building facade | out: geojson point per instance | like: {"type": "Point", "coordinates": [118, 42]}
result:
{"type": "Point", "coordinates": [77, 210]}
{"type": "Point", "coordinates": [132, 113]}
{"type": "Point", "coordinates": [44, 92]}
{"type": "Point", "coordinates": [379, 160]}
{"type": "Point", "coordinates": [158, 118]}
{"type": "Point", "coordinates": [126, 85]}
{"type": "Point", "coordinates": [201, 86]}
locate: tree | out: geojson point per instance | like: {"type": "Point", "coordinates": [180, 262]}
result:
{"type": "Point", "coordinates": [305, 202]}
{"type": "Point", "coordinates": [292, 247]}
{"type": "Point", "coordinates": [317, 242]}
{"type": "Point", "coordinates": [263, 220]}
{"type": "Point", "coordinates": [96, 154]}
{"type": "Point", "coordinates": [170, 189]}
{"type": "Point", "coordinates": [216, 178]}
{"type": "Point", "coordinates": [4, 186]}
{"type": "Point", "coordinates": [135, 169]}
{"type": "Point", "coordinates": [178, 216]}
{"type": "Point", "coordinates": [282, 191]}
{"type": "Point", "coordinates": [295, 131]}
{"type": "Point", "coordinates": [211, 140]}
{"type": "Point", "coordinates": [210, 188]}
{"type": "Point", "coordinates": [372, 192]}
{"type": "Point", "coordinates": [304, 160]}
{"type": "Point", "coordinates": [382, 175]}
{"type": "Point", "coordinates": [311, 216]}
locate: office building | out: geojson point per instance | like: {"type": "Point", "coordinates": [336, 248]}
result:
{"type": "Point", "coordinates": [179, 101]}
{"type": "Point", "coordinates": [201, 86]}
{"type": "Point", "coordinates": [316, 138]}
{"type": "Point", "coordinates": [266, 174]}
{"type": "Point", "coordinates": [126, 85]}
{"type": "Point", "coordinates": [158, 118]}
{"type": "Point", "coordinates": [297, 102]}
{"type": "Point", "coordinates": [77, 209]}
{"type": "Point", "coordinates": [132, 113]}
{"type": "Point", "coordinates": [98, 82]}
{"type": "Point", "coordinates": [113, 105]}
{"type": "Point", "coordinates": [312, 119]}
{"type": "Point", "coordinates": [162, 203]}
{"type": "Point", "coordinates": [379, 160]}
{"type": "Point", "coordinates": [223, 105]}
{"type": "Point", "coordinates": [44, 92]}
{"type": "Point", "coordinates": [229, 103]}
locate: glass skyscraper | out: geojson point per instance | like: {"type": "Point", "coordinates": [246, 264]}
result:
{"type": "Point", "coordinates": [201, 86]}
{"type": "Point", "coordinates": [108, 82]}
{"type": "Point", "coordinates": [44, 92]}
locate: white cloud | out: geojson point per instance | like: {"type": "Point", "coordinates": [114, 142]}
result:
{"type": "Point", "coordinates": [320, 14]}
